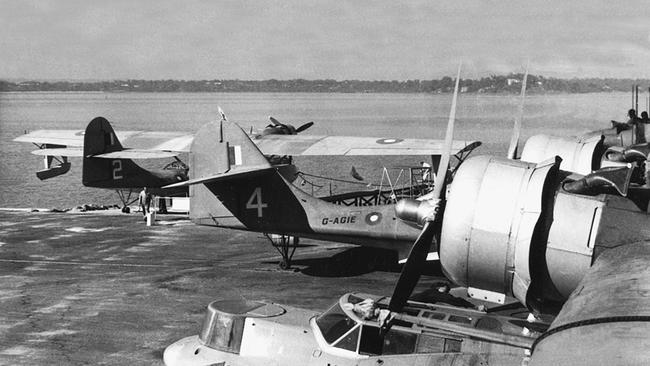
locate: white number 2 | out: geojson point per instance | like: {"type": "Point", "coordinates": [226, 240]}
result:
{"type": "Point", "coordinates": [117, 169]}
{"type": "Point", "coordinates": [255, 201]}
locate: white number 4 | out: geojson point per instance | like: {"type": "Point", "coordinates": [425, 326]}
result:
{"type": "Point", "coordinates": [255, 202]}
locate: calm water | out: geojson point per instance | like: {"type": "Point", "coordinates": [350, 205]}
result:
{"type": "Point", "coordinates": [479, 117]}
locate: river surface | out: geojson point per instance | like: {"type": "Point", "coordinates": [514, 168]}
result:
{"type": "Point", "coordinates": [487, 118]}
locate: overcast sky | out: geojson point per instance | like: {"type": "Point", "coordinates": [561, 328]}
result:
{"type": "Point", "coordinates": [246, 39]}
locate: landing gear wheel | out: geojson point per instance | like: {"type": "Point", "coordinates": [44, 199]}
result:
{"type": "Point", "coordinates": [285, 265]}
{"type": "Point", "coordinates": [126, 209]}
{"type": "Point", "coordinates": [285, 245]}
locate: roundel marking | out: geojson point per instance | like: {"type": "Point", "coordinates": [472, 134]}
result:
{"type": "Point", "coordinates": [389, 141]}
{"type": "Point", "coordinates": [373, 218]}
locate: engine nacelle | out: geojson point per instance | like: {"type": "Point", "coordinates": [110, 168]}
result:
{"type": "Point", "coordinates": [623, 138]}
{"type": "Point", "coordinates": [578, 155]}
{"type": "Point", "coordinates": [511, 229]}
{"type": "Point", "coordinates": [489, 225]}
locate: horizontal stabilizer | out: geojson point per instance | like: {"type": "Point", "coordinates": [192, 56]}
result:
{"type": "Point", "coordinates": [70, 151]}
{"type": "Point", "coordinates": [240, 173]}
{"type": "Point", "coordinates": [123, 154]}
{"type": "Point", "coordinates": [137, 154]}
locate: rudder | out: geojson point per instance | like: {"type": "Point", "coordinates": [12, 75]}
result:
{"type": "Point", "coordinates": [228, 166]}
{"type": "Point", "coordinates": [223, 148]}
{"type": "Point", "coordinates": [100, 138]}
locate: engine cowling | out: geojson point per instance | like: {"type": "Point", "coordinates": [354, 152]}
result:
{"type": "Point", "coordinates": [578, 155]}
{"type": "Point", "coordinates": [511, 229]}
{"type": "Point", "coordinates": [489, 225]}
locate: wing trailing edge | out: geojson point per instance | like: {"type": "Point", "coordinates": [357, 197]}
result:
{"type": "Point", "coordinates": [70, 152]}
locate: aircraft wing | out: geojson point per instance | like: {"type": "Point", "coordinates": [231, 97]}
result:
{"type": "Point", "coordinates": [64, 151]}
{"type": "Point", "coordinates": [295, 145]}
{"type": "Point", "coordinates": [71, 138]}
{"type": "Point", "coordinates": [135, 140]}
{"type": "Point", "coordinates": [606, 320]}
{"type": "Point", "coordinates": [304, 145]}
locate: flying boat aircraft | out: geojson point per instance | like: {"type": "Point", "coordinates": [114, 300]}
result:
{"type": "Point", "coordinates": [230, 169]}
{"type": "Point", "coordinates": [108, 155]}
{"type": "Point", "coordinates": [558, 242]}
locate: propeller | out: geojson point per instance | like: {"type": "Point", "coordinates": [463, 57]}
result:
{"type": "Point", "coordinates": [221, 112]}
{"type": "Point", "coordinates": [514, 140]}
{"type": "Point", "coordinates": [432, 223]}
{"type": "Point", "coordinates": [304, 127]}
{"type": "Point", "coordinates": [290, 129]}
{"type": "Point", "coordinates": [355, 174]}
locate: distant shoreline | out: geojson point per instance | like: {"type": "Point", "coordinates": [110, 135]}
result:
{"type": "Point", "coordinates": [504, 84]}
{"type": "Point", "coordinates": [496, 94]}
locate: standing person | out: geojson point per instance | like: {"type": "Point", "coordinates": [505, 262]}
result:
{"type": "Point", "coordinates": [640, 127]}
{"type": "Point", "coordinates": [644, 117]}
{"type": "Point", "coordinates": [426, 171]}
{"type": "Point", "coordinates": [634, 123]}
{"type": "Point", "coordinates": [632, 120]}
{"type": "Point", "coordinates": [144, 199]}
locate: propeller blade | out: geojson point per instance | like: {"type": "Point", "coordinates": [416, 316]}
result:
{"type": "Point", "coordinates": [276, 122]}
{"type": "Point", "coordinates": [355, 174]}
{"type": "Point", "coordinates": [418, 255]}
{"type": "Point", "coordinates": [304, 127]}
{"type": "Point", "coordinates": [223, 115]}
{"type": "Point", "coordinates": [441, 174]}
{"type": "Point", "coordinates": [413, 267]}
{"type": "Point", "coordinates": [516, 130]}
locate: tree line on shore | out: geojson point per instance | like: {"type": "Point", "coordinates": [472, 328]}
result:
{"type": "Point", "coordinates": [494, 84]}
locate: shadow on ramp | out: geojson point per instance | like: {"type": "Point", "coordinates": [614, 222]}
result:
{"type": "Point", "coordinates": [350, 262]}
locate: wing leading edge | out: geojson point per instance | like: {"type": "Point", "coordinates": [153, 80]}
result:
{"type": "Point", "coordinates": [304, 145]}
{"type": "Point", "coordinates": [145, 143]}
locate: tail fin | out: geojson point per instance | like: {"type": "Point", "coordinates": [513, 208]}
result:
{"type": "Point", "coordinates": [100, 138]}
{"type": "Point", "coordinates": [222, 150]}
{"type": "Point", "coordinates": [229, 170]}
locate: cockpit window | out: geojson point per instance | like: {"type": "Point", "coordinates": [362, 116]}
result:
{"type": "Point", "coordinates": [334, 323]}
{"type": "Point", "coordinates": [398, 342]}
{"type": "Point", "coordinates": [460, 319]}
{"type": "Point", "coordinates": [371, 340]}
{"type": "Point", "coordinates": [353, 299]}
{"type": "Point", "coordinates": [349, 342]}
